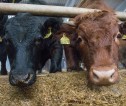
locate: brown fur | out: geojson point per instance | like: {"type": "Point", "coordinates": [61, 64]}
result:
{"type": "Point", "coordinates": [98, 31]}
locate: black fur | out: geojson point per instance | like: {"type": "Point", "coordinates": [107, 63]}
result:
{"type": "Point", "coordinates": [28, 50]}
{"type": "Point", "coordinates": [3, 54]}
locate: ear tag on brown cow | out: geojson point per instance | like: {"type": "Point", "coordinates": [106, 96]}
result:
{"type": "Point", "coordinates": [124, 37]}
{"type": "Point", "coordinates": [64, 39]}
{"type": "Point", "coordinates": [49, 33]}
{"type": "Point", "coordinates": [0, 39]}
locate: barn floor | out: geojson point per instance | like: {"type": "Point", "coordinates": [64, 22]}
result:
{"type": "Point", "coordinates": [63, 89]}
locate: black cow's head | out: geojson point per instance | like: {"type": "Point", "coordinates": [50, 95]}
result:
{"type": "Point", "coordinates": [22, 33]}
{"type": "Point", "coordinates": [52, 23]}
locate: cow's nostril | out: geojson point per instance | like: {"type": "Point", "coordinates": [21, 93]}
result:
{"type": "Point", "coordinates": [27, 77]}
{"type": "Point", "coordinates": [95, 76]}
{"type": "Point", "coordinates": [112, 75]}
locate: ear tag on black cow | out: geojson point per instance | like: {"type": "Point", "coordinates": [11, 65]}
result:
{"type": "Point", "coordinates": [64, 39]}
{"type": "Point", "coordinates": [124, 37]}
{"type": "Point", "coordinates": [49, 33]}
{"type": "Point", "coordinates": [0, 39]}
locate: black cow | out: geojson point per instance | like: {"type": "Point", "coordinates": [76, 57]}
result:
{"type": "Point", "coordinates": [3, 54]}
{"type": "Point", "coordinates": [51, 47]}
{"type": "Point", "coordinates": [28, 50]}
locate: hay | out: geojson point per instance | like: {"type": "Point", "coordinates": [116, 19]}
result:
{"type": "Point", "coordinates": [63, 89]}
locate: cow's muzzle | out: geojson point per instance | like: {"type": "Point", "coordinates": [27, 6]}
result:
{"type": "Point", "coordinates": [22, 80]}
{"type": "Point", "coordinates": [103, 75]}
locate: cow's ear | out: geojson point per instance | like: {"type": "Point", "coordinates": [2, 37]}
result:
{"type": "Point", "coordinates": [79, 40]}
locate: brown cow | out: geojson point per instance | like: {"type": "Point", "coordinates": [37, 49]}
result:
{"type": "Point", "coordinates": [71, 53]}
{"type": "Point", "coordinates": [96, 40]}
{"type": "Point", "coordinates": [99, 31]}
{"type": "Point", "coordinates": [122, 44]}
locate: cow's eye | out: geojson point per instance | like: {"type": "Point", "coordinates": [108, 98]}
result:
{"type": "Point", "coordinates": [117, 35]}
{"type": "Point", "coordinates": [79, 40]}
{"type": "Point", "coordinates": [38, 41]}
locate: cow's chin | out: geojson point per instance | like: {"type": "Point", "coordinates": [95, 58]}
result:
{"type": "Point", "coordinates": [21, 80]}
{"type": "Point", "coordinates": [103, 76]}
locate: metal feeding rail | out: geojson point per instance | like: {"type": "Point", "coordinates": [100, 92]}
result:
{"type": "Point", "coordinates": [47, 10]}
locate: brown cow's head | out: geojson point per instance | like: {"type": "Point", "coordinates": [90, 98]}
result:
{"type": "Point", "coordinates": [98, 32]}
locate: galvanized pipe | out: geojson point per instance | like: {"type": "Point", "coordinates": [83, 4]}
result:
{"type": "Point", "coordinates": [47, 10]}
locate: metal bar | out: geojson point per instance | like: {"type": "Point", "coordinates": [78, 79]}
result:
{"type": "Point", "coordinates": [69, 3]}
{"type": "Point", "coordinates": [47, 10]}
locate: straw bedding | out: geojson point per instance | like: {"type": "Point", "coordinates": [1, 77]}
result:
{"type": "Point", "coordinates": [63, 89]}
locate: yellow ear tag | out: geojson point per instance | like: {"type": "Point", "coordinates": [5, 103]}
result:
{"type": "Point", "coordinates": [124, 37]}
{"type": "Point", "coordinates": [64, 39]}
{"type": "Point", "coordinates": [0, 39]}
{"type": "Point", "coordinates": [49, 33]}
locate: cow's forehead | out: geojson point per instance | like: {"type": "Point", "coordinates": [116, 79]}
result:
{"type": "Point", "coordinates": [19, 29]}
{"type": "Point", "coordinates": [98, 20]}
{"type": "Point", "coordinates": [92, 27]}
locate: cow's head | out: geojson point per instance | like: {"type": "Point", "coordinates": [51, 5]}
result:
{"type": "Point", "coordinates": [98, 32]}
{"type": "Point", "coordinates": [22, 38]}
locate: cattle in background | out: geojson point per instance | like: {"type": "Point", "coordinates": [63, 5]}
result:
{"type": "Point", "coordinates": [29, 45]}
{"type": "Point", "coordinates": [51, 47]}
{"type": "Point", "coordinates": [71, 53]}
{"type": "Point", "coordinates": [97, 43]}
{"type": "Point", "coordinates": [122, 44]}
{"type": "Point", "coordinates": [3, 54]}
